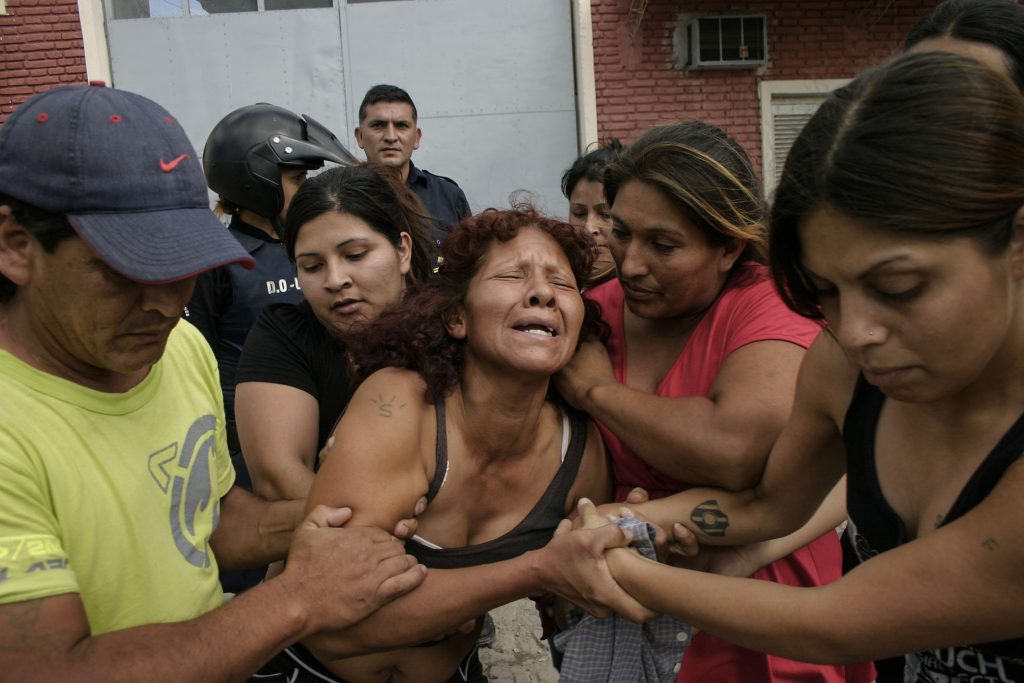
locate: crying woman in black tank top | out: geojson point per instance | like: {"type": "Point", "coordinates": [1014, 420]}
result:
{"type": "Point", "coordinates": [457, 405]}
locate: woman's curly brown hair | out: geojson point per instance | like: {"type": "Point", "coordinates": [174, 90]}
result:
{"type": "Point", "coordinates": [414, 334]}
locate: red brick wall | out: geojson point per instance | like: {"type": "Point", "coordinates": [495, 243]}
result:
{"type": "Point", "coordinates": [638, 85]}
{"type": "Point", "coordinates": [40, 47]}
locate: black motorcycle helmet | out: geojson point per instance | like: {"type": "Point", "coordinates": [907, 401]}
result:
{"type": "Point", "coordinates": [247, 149]}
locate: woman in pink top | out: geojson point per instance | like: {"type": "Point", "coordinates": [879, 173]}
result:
{"type": "Point", "coordinates": [698, 377]}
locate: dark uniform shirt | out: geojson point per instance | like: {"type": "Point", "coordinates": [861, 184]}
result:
{"type": "Point", "coordinates": [443, 198]}
{"type": "Point", "coordinates": [227, 300]}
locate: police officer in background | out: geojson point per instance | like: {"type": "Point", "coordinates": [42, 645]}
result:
{"type": "Point", "coordinates": [388, 134]}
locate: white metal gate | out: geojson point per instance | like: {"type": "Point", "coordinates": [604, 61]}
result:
{"type": "Point", "coordinates": [492, 79]}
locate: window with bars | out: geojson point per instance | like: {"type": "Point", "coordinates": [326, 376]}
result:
{"type": "Point", "coordinates": [727, 41]}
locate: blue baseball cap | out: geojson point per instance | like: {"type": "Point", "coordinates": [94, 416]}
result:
{"type": "Point", "coordinates": [122, 171]}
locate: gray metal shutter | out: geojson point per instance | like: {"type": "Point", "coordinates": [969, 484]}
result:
{"type": "Point", "coordinates": [790, 113]}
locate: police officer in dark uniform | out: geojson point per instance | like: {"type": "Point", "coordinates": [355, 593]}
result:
{"type": "Point", "coordinates": [255, 159]}
{"type": "Point", "coordinates": [388, 134]}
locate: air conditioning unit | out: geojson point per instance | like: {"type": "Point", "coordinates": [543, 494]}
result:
{"type": "Point", "coordinates": [728, 42]}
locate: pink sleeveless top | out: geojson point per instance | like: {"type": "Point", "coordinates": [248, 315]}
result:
{"type": "Point", "coordinates": [748, 310]}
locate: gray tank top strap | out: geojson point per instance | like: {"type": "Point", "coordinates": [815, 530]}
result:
{"type": "Point", "coordinates": [441, 451]}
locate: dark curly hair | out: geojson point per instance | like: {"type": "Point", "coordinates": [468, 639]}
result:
{"type": "Point", "coordinates": [414, 334]}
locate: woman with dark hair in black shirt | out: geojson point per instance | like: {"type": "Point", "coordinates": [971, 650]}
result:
{"type": "Point", "coordinates": [357, 237]}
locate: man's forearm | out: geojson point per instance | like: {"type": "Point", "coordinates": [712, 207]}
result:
{"type": "Point", "coordinates": [253, 532]}
{"type": "Point", "coordinates": [275, 528]}
{"type": "Point", "coordinates": [447, 599]}
{"type": "Point", "coordinates": [256, 625]}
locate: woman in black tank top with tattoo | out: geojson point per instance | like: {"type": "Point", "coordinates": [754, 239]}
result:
{"type": "Point", "coordinates": [899, 224]}
{"type": "Point", "coordinates": [456, 406]}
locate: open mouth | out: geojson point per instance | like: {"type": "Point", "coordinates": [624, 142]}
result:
{"type": "Point", "coordinates": [539, 330]}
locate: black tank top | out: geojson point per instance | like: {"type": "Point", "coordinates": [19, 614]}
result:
{"type": "Point", "coordinates": [537, 527]}
{"type": "Point", "coordinates": [874, 527]}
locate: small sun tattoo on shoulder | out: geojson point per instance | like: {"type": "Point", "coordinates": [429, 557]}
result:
{"type": "Point", "coordinates": [709, 518]}
{"type": "Point", "coordinates": [386, 406]}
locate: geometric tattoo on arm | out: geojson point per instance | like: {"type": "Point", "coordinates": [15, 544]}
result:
{"type": "Point", "coordinates": [709, 518]}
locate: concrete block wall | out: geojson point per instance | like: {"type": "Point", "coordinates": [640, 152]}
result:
{"type": "Point", "coordinates": [638, 83]}
{"type": "Point", "coordinates": [40, 47]}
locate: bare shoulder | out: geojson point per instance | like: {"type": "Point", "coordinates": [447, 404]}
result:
{"type": "Point", "coordinates": [389, 392]}
{"type": "Point", "coordinates": [594, 478]}
{"type": "Point", "coordinates": [400, 380]}
{"type": "Point", "coordinates": [384, 418]}
{"type": "Point", "coordinates": [375, 463]}
{"type": "Point", "coordinates": [595, 451]}
{"type": "Point", "coordinates": [827, 379]}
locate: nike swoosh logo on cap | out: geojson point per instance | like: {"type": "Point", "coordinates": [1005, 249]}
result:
{"type": "Point", "coordinates": [168, 166]}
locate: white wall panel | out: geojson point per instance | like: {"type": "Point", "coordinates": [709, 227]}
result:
{"type": "Point", "coordinates": [203, 67]}
{"type": "Point", "coordinates": [492, 79]}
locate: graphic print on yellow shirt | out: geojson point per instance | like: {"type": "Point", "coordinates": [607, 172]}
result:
{"type": "Point", "coordinates": [114, 496]}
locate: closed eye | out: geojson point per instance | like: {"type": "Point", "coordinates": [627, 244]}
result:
{"type": "Point", "coordinates": [563, 283]}
{"type": "Point", "coordinates": [903, 296]}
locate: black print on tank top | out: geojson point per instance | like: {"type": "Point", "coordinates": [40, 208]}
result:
{"type": "Point", "coordinates": [963, 665]}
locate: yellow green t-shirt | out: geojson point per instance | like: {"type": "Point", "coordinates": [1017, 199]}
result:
{"type": "Point", "coordinates": [114, 496]}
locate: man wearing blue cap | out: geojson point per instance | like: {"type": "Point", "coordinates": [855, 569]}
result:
{"type": "Point", "coordinates": [117, 501]}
